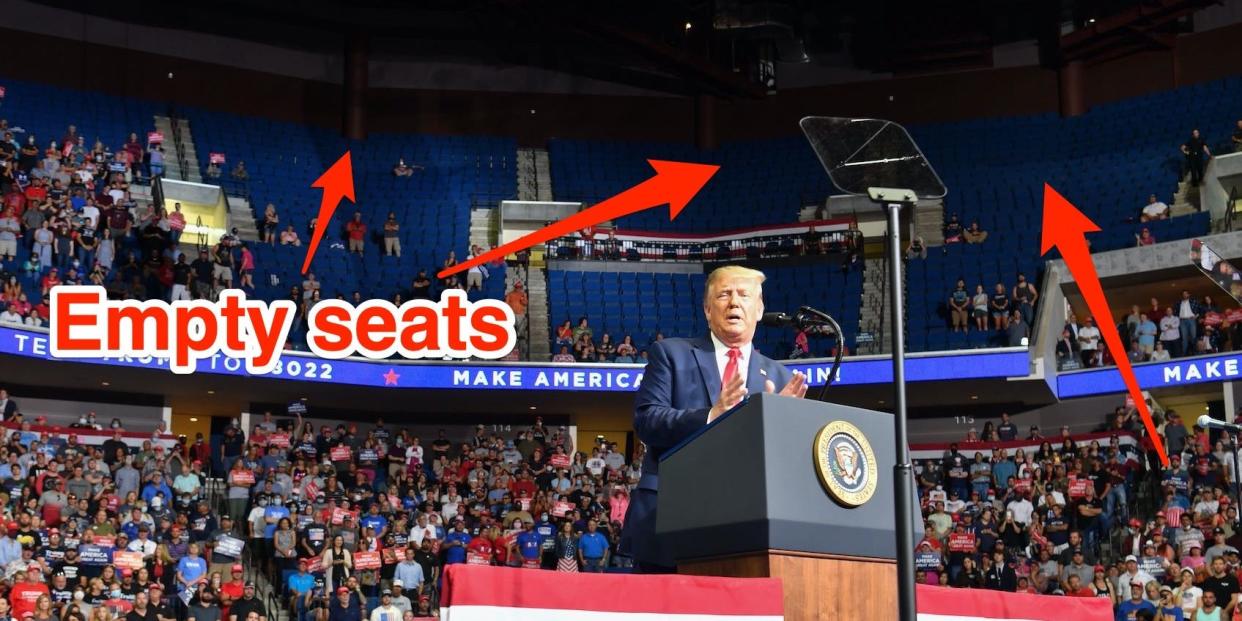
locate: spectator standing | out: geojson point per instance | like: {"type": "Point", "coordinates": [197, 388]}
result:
{"type": "Point", "coordinates": [1170, 332]}
{"type": "Point", "coordinates": [979, 304]}
{"type": "Point", "coordinates": [1017, 331]}
{"type": "Point", "coordinates": [356, 231]}
{"type": "Point", "coordinates": [1024, 297]}
{"type": "Point", "coordinates": [1089, 343]}
{"type": "Point", "coordinates": [999, 305]}
{"type": "Point", "coordinates": [392, 232]}
{"type": "Point", "coordinates": [1197, 153]}
{"type": "Point", "coordinates": [959, 307]}
{"type": "Point", "coordinates": [1147, 333]}
{"type": "Point", "coordinates": [1188, 311]}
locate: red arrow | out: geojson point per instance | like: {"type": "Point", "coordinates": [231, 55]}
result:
{"type": "Point", "coordinates": [674, 183]}
{"type": "Point", "coordinates": [1065, 227]}
{"type": "Point", "coordinates": [337, 182]}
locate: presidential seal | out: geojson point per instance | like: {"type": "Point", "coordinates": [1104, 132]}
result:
{"type": "Point", "coordinates": [845, 463]}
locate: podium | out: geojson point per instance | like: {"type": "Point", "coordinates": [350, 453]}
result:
{"type": "Point", "coordinates": [747, 497]}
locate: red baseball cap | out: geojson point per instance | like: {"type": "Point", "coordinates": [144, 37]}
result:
{"type": "Point", "coordinates": [238, 567]}
{"type": "Point", "coordinates": [340, 590]}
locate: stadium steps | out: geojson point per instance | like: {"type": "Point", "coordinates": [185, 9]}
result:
{"type": "Point", "coordinates": [929, 222]}
{"type": "Point", "coordinates": [172, 163]}
{"type": "Point", "coordinates": [874, 316]}
{"type": "Point", "coordinates": [482, 227]}
{"type": "Point", "coordinates": [1185, 200]}
{"type": "Point", "coordinates": [185, 149]}
{"type": "Point", "coordinates": [540, 345]}
{"type": "Point", "coordinates": [543, 175]}
{"type": "Point", "coordinates": [241, 217]}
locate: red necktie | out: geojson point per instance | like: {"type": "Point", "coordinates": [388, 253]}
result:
{"type": "Point", "coordinates": [731, 367]}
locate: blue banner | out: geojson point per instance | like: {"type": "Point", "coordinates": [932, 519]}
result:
{"type": "Point", "coordinates": [532, 376]}
{"type": "Point", "coordinates": [1152, 375]}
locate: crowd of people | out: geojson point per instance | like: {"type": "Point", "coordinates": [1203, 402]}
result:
{"type": "Point", "coordinates": [1189, 326]}
{"type": "Point", "coordinates": [1098, 517]}
{"type": "Point", "coordinates": [577, 343]}
{"type": "Point", "coordinates": [1007, 310]}
{"type": "Point", "coordinates": [334, 523]}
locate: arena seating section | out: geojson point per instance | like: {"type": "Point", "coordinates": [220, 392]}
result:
{"type": "Point", "coordinates": [433, 206]}
{"type": "Point", "coordinates": [761, 182]}
{"type": "Point", "coordinates": [46, 112]}
{"type": "Point", "coordinates": [1106, 162]}
{"type": "Point", "coordinates": [641, 303]}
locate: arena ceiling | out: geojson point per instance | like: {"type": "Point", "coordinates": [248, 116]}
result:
{"type": "Point", "coordinates": [647, 44]}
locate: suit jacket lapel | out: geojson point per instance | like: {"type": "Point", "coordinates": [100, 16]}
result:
{"type": "Point", "coordinates": [755, 379]}
{"type": "Point", "coordinates": [705, 355]}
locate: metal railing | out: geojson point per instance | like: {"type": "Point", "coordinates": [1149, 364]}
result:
{"type": "Point", "coordinates": [760, 247]}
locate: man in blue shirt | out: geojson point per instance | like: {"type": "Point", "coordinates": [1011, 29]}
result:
{"type": "Point", "coordinates": [191, 569]}
{"type": "Point", "coordinates": [375, 520]}
{"type": "Point", "coordinates": [1002, 468]}
{"type": "Point", "coordinates": [1128, 610]}
{"type": "Point", "coordinates": [593, 549]}
{"type": "Point", "coordinates": [299, 585]}
{"type": "Point", "coordinates": [271, 516]}
{"type": "Point", "coordinates": [455, 543]}
{"type": "Point", "coordinates": [409, 572]}
{"type": "Point", "coordinates": [530, 545]}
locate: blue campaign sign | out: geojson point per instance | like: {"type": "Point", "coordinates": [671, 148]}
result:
{"type": "Point", "coordinates": [1152, 375]}
{"type": "Point", "coordinates": [532, 376]}
{"type": "Point", "coordinates": [90, 554]}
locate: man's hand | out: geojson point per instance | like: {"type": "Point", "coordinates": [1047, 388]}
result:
{"type": "Point", "coordinates": [796, 387]}
{"type": "Point", "coordinates": [730, 395]}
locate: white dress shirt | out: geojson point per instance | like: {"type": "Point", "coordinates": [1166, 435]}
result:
{"type": "Point", "coordinates": [722, 359]}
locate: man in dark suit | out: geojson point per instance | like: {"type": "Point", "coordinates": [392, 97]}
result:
{"type": "Point", "coordinates": [688, 383]}
{"type": "Point", "coordinates": [8, 407]}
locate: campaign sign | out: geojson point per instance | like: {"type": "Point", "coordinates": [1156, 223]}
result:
{"type": "Point", "coordinates": [367, 560]}
{"type": "Point", "coordinates": [962, 542]}
{"type": "Point", "coordinates": [927, 560]}
{"type": "Point", "coordinates": [94, 555]}
{"type": "Point", "coordinates": [215, 157]}
{"type": "Point", "coordinates": [280, 440]}
{"type": "Point", "coordinates": [474, 558]}
{"type": "Point", "coordinates": [338, 515]}
{"type": "Point", "coordinates": [559, 461]}
{"type": "Point", "coordinates": [105, 541]}
{"type": "Point", "coordinates": [155, 137]}
{"type": "Point", "coordinates": [1078, 487]}
{"type": "Point", "coordinates": [1022, 486]}
{"type": "Point", "coordinates": [230, 546]}
{"type": "Point", "coordinates": [561, 508]}
{"type": "Point", "coordinates": [524, 503]}
{"type": "Point", "coordinates": [314, 564]}
{"type": "Point", "coordinates": [127, 559]}
{"type": "Point", "coordinates": [297, 407]}
{"type": "Point", "coordinates": [389, 556]}
{"type": "Point", "coordinates": [340, 453]}
{"type": "Point", "coordinates": [242, 477]}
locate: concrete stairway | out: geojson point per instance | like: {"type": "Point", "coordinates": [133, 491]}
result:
{"type": "Point", "coordinates": [185, 148]}
{"type": "Point", "coordinates": [525, 170]}
{"type": "Point", "coordinates": [1185, 200]}
{"type": "Point", "coordinates": [241, 217]}
{"type": "Point", "coordinates": [929, 222]}
{"type": "Point", "coordinates": [543, 175]}
{"type": "Point", "coordinates": [172, 165]}
{"type": "Point", "coordinates": [537, 311]}
{"type": "Point", "coordinates": [875, 316]}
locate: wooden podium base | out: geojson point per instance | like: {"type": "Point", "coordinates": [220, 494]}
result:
{"type": "Point", "coordinates": [816, 586]}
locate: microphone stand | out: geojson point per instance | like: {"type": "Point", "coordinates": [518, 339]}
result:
{"type": "Point", "coordinates": [822, 318]}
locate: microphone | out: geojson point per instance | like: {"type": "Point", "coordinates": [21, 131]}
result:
{"type": "Point", "coordinates": [1207, 422]}
{"type": "Point", "coordinates": [778, 320]}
